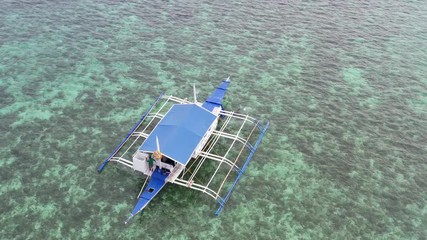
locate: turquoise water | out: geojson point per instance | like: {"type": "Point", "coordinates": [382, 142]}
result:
{"type": "Point", "coordinates": [344, 85]}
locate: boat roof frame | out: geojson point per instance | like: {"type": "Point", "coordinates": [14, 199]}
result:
{"type": "Point", "coordinates": [159, 131]}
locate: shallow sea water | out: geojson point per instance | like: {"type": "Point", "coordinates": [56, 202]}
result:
{"type": "Point", "coordinates": [344, 85]}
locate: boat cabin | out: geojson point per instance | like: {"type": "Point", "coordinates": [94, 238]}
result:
{"type": "Point", "coordinates": [177, 138]}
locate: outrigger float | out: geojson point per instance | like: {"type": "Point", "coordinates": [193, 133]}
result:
{"type": "Point", "coordinates": [195, 145]}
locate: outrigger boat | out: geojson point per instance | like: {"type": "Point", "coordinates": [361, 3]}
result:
{"type": "Point", "coordinates": [196, 145]}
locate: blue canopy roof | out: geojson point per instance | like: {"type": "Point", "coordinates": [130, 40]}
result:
{"type": "Point", "coordinates": [180, 131]}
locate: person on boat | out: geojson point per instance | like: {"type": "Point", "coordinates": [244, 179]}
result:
{"type": "Point", "coordinates": [150, 161]}
{"type": "Point", "coordinates": [157, 155]}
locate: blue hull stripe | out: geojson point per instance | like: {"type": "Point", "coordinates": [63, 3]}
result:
{"type": "Point", "coordinates": [156, 183]}
{"type": "Point", "coordinates": [215, 99]}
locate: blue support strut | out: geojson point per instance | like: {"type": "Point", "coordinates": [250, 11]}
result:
{"type": "Point", "coordinates": [225, 199]}
{"type": "Point", "coordinates": [129, 134]}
